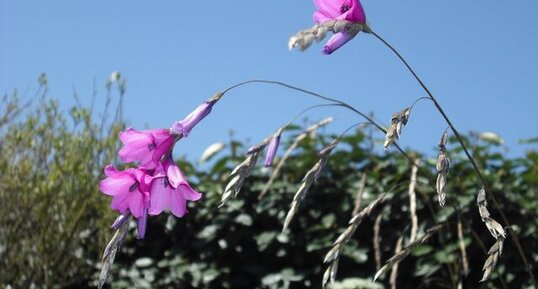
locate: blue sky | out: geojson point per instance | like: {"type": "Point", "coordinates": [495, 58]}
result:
{"type": "Point", "coordinates": [478, 57]}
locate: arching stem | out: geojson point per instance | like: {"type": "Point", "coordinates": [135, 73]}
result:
{"type": "Point", "coordinates": [467, 153]}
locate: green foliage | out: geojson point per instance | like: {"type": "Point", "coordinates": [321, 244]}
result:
{"type": "Point", "coordinates": [53, 220]}
{"type": "Point", "coordinates": [54, 223]}
{"type": "Point", "coordinates": [240, 245]}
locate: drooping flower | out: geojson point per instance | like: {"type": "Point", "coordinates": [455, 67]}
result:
{"type": "Point", "coordinates": [130, 193]}
{"type": "Point", "coordinates": [348, 10]}
{"type": "Point", "coordinates": [185, 126]}
{"type": "Point", "coordinates": [272, 148]}
{"type": "Point", "coordinates": [170, 190]}
{"type": "Point", "coordinates": [145, 146]}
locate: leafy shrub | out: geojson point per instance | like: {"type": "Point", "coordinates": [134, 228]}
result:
{"type": "Point", "coordinates": [53, 220]}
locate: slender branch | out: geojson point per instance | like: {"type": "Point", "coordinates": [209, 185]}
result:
{"type": "Point", "coordinates": [344, 104]}
{"type": "Point", "coordinates": [467, 153]}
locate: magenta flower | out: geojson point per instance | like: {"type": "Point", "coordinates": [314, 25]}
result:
{"type": "Point", "coordinates": [349, 10]}
{"type": "Point", "coordinates": [146, 146]}
{"type": "Point", "coordinates": [127, 188]}
{"type": "Point", "coordinates": [130, 193]}
{"type": "Point", "coordinates": [170, 190]}
{"type": "Point", "coordinates": [185, 126]}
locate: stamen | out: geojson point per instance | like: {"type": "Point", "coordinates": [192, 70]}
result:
{"type": "Point", "coordinates": [344, 8]}
{"type": "Point", "coordinates": [133, 187]}
{"type": "Point", "coordinates": [165, 182]}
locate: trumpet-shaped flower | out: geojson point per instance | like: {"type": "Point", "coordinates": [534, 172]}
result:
{"type": "Point", "coordinates": [129, 189]}
{"type": "Point", "coordinates": [348, 10]}
{"type": "Point", "coordinates": [145, 146]}
{"type": "Point", "coordinates": [170, 190]}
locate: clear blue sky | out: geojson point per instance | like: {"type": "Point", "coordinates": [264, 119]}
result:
{"type": "Point", "coordinates": [479, 58]}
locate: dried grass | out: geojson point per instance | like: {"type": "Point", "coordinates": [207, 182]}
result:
{"type": "Point", "coordinates": [309, 179]}
{"type": "Point", "coordinates": [334, 253]}
{"type": "Point", "coordinates": [442, 166]}
{"type": "Point", "coordinates": [496, 230]}
{"type": "Point", "coordinates": [394, 270]}
{"type": "Point", "coordinates": [238, 176]}
{"type": "Point", "coordinates": [398, 121]}
{"type": "Point", "coordinates": [406, 251]}
{"type": "Point", "coordinates": [111, 249]}
{"type": "Point", "coordinates": [413, 202]}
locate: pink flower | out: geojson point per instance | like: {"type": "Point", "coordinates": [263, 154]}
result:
{"type": "Point", "coordinates": [170, 190]}
{"type": "Point", "coordinates": [349, 10]}
{"type": "Point", "coordinates": [130, 193]}
{"type": "Point", "coordinates": [146, 146]}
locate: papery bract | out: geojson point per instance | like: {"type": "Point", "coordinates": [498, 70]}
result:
{"type": "Point", "coordinates": [145, 146]}
{"type": "Point", "coordinates": [348, 10]}
{"type": "Point", "coordinates": [170, 190]}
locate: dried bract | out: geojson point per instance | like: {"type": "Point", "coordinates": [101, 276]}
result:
{"type": "Point", "coordinates": [304, 38]}
{"type": "Point", "coordinates": [238, 176]}
{"type": "Point", "coordinates": [111, 249]}
{"type": "Point", "coordinates": [406, 251]}
{"type": "Point", "coordinates": [334, 253]}
{"type": "Point", "coordinates": [398, 121]}
{"type": "Point", "coordinates": [496, 230]}
{"type": "Point", "coordinates": [442, 166]}
{"type": "Point", "coordinates": [310, 178]}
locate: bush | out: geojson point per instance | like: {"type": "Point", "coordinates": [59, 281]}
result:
{"type": "Point", "coordinates": [53, 220]}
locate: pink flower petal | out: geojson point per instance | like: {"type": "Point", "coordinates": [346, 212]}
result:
{"type": "Point", "coordinates": [162, 148]}
{"type": "Point", "coordinates": [120, 202]}
{"type": "Point", "coordinates": [174, 175]}
{"type": "Point", "coordinates": [178, 204]}
{"type": "Point", "coordinates": [136, 204]}
{"type": "Point", "coordinates": [189, 193]}
{"type": "Point", "coordinates": [320, 17]}
{"type": "Point", "coordinates": [331, 8]}
{"type": "Point", "coordinates": [137, 146]}
{"type": "Point", "coordinates": [159, 197]}
{"type": "Point", "coordinates": [117, 184]}
{"type": "Point", "coordinates": [160, 135]}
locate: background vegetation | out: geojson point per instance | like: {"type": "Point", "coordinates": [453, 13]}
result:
{"type": "Point", "coordinates": [54, 223]}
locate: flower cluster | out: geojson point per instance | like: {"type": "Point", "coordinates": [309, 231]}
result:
{"type": "Point", "coordinates": [157, 183]}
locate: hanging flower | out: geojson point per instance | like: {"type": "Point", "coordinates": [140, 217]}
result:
{"type": "Point", "coordinates": [145, 146]}
{"type": "Point", "coordinates": [130, 193]}
{"type": "Point", "coordinates": [170, 190]}
{"type": "Point", "coordinates": [348, 10]}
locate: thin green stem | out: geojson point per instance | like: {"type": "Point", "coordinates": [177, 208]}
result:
{"type": "Point", "coordinates": [467, 153]}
